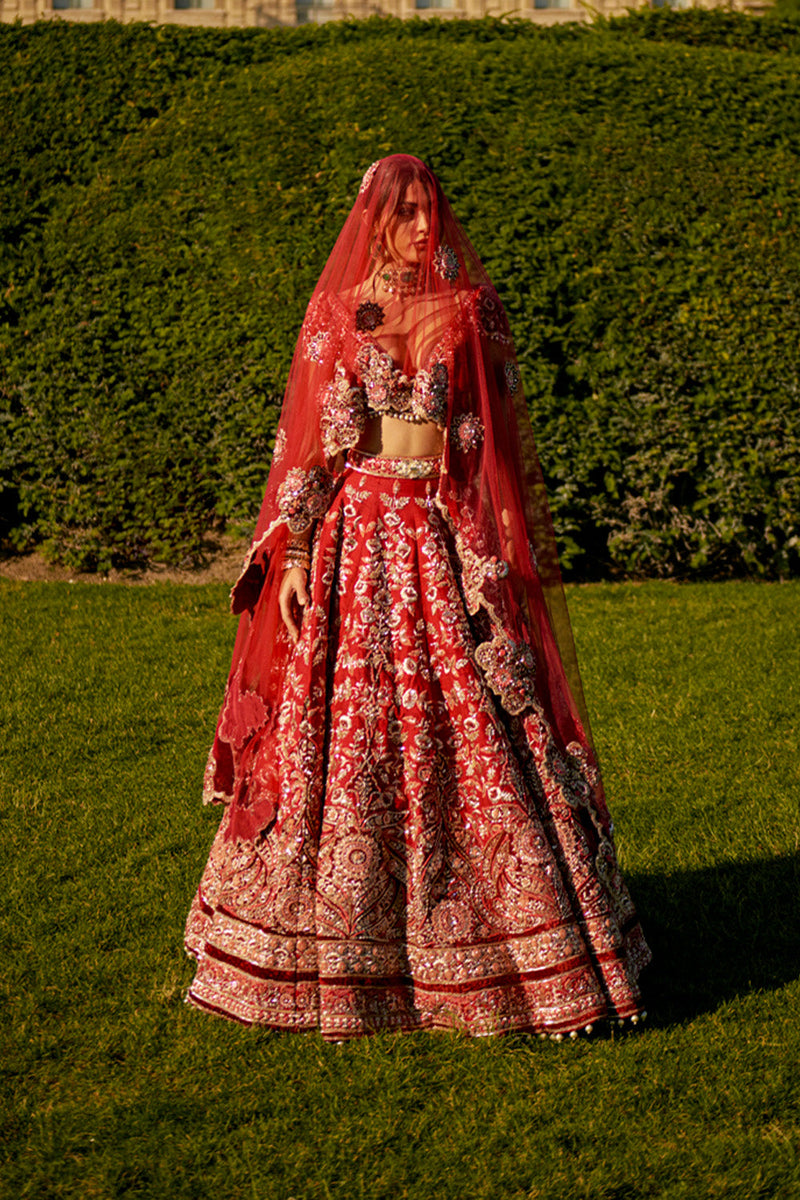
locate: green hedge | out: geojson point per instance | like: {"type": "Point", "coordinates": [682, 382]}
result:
{"type": "Point", "coordinates": [168, 197]}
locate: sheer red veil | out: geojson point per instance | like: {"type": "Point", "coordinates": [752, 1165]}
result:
{"type": "Point", "coordinates": [490, 493]}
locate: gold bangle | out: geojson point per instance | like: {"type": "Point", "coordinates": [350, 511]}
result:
{"type": "Point", "coordinates": [296, 558]}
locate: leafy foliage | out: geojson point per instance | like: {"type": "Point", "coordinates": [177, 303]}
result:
{"type": "Point", "coordinates": [629, 185]}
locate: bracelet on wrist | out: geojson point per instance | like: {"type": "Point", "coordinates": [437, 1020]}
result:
{"type": "Point", "coordinates": [296, 558]}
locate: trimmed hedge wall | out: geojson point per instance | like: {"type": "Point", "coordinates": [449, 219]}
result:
{"type": "Point", "coordinates": [168, 197]}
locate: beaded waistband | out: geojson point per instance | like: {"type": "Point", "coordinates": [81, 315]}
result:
{"type": "Point", "coordinates": [395, 468]}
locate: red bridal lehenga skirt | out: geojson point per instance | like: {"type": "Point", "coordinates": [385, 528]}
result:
{"type": "Point", "coordinates": [429, 865]}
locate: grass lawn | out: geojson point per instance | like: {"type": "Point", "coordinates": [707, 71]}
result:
{"type": "Point", "coordinates": [112, 1087]}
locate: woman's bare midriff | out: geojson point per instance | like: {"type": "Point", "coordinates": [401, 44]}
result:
{"type": "Point", "coordinates": [392, 438]}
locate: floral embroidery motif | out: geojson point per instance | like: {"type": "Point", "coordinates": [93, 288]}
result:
{"type": "Point", "coordinates": [388, 390]}
{"type": "Point", "coordinates": [512, 375]}
{"type": "Point", "coordinates": [509, 668]}
{"type": "Point", "coordinates": [573, 773]}
{"type": "Point", "coordinates": [369, 175]}
{"type": "Point", "coordinates": [209, 788]}
{"type": "Point", "coordinates": [467, 431]}
{"type": "Point", "coordinates": [317, 338]}
{"type": "Point", "coordinates": [280, 446]}
{"type": "Point", "coordinates": [490, 315]}
{"type": "Point", "coordinates": [343, 414]}
{"type": "Point", "coordinates": [429, 393]}
{"type": "Point", "coordinates": [446, 263]}
{"type": "Point", "coordinates": [413, 854]}
{"type": "Point", "coordinates": [303, 497]}
{"type": "Point", "coordinates": [316, 344]}
{"type": "Point", "coordinates": [243, 712]}
{"type": "Point", "coordinates": [476, 572]}
{"type": "Point", "coordinates": [369, 316]}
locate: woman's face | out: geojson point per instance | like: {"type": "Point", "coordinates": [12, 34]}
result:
{"type": "Point", "coordinates": [407, 232]}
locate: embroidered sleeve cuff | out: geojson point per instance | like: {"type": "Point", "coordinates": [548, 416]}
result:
{"type": "Point", "coordinates": [303, 497]}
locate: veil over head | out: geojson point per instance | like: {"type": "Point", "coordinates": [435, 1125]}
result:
{"type": "Point", "coordinates": [461, 373]}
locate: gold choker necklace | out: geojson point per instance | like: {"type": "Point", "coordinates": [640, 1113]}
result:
{"type": "Point", "coordinates": [399, 281]}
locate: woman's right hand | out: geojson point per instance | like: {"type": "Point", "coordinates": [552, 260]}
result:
{"type": "Point", "coordinates": [292, 599]}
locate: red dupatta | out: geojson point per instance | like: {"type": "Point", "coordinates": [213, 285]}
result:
{"type": "Point", "coordinates": [461, 361]}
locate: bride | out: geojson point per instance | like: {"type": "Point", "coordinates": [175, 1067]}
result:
{"type": "Point", "coordinates": [415, 834]}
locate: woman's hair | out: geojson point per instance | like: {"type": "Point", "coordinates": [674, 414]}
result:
{"type": "Point", "coordinates": [388, 182]}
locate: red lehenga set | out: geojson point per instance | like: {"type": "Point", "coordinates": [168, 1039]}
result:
{"type": "Point", "coordinates": [415, 834]}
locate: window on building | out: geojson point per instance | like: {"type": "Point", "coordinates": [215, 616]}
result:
{"type": "Point", "coordinates": [195, 4]}
{"type": "Point", "coordinates": [312, 10]}
{"type": "Point", "coordinates": [61, 4]}
{"type": "Point", "coordinates": [434, 3]}
{"type": "Point", "coordinates": [555, 4]}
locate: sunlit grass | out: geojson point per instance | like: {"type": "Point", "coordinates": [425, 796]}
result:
{"type": "Point", "coordinates": [114, 1088]}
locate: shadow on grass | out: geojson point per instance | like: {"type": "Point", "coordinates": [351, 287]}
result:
{"type": "Point", "coordinates": [718, 933]}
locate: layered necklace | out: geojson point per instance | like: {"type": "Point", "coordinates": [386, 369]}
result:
{"type": "Point", "coordinates": [399, 281]}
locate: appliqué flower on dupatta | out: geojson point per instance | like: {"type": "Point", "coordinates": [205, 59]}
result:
{"type": "Point", "coordinates": [243, 712]}
{"type": "Point", "coordinates": [509, 668]}
{"type": "Point", "coordinates": [369, 316]}
{"type": "Point", "coordinates": [446, 263]}
{"type": "Point", "coordinates": [344, 412]}
{"type": "Point", "coordinates": [467, 431]}
{"type": "Point", "coordinates": [490, 315]}
{"type": "Point", "coordinates": [512, 375]}
{"type": "Point", "coordinates": [303, 497]}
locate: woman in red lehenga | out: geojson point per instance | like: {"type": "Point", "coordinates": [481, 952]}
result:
{"type": "Point", "coordinates": [415, 834]}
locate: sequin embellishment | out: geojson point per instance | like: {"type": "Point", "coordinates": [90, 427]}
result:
{"type": "Point", "coordinates": [446, 263]}
{"type": "Point", "coordinates": [467, 431]}
{"type": "Point", "coordinates": [280, 446]}
{"type": "Point", "coordinates": [369, 175]}
{"type": "Point", "coordinates": [509, 668]}
{"type": "Point", "coordinates": [490, 315]}
{"type": "Point", "coordinates": [429, 393]}
{"type": "Point", "coordinates": [369, 316]}
{"type": "Point", "coordinates": [395, 468]}
{"type": "Point", "coordinates": [343, 414]}
{"type": "Point", "coordinates": [512, 375]}
{"type": "Point", "coordinates": [388, 390]}
{"type": "Point", "coordinates": [303, 497]}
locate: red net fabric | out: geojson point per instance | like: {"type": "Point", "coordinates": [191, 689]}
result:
{"type": "Point", "coordinates": [441, 350]}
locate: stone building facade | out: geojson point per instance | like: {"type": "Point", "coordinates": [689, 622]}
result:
{"type": "Point", "coordinates": [268, 13]}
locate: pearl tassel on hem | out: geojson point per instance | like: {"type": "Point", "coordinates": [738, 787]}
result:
{"type": "Point", "coordinates": [620, 1023]}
